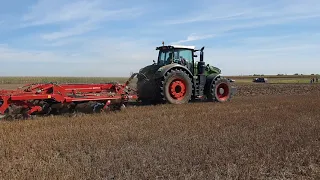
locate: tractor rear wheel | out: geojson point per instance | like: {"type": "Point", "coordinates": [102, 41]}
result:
{"type": "Point", "coordinates": [176, 87]}
{"type": "Point", "coordinates": [220, 90]}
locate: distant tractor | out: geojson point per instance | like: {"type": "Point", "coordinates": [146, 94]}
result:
{"type": "Point", "coordinates": [177, 79]}
{"type": "Point", "coordinates": [260, 80]}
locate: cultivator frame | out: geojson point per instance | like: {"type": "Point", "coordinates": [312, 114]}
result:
{"type": "Point", "coordinates": [54, 98]}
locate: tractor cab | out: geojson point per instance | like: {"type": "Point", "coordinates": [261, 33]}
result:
{"type": "Point", "coordinates": [183, 55]}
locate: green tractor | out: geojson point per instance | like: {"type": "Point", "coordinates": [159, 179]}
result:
{"type": "Point", "coordinates": [176, 78]}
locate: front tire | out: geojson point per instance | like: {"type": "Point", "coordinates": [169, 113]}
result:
{"type": "Point", "coordinates": [176, 87]}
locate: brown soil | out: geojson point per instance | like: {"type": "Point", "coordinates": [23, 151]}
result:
{"type": "Point", "coordinates": [252, 137]}
{"type": "Point", "coordinates": [276, 89]}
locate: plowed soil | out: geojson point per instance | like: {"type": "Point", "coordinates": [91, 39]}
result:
{"type": "Point", "coordinates": [248, 90]}
{"type": "Point", "coordinates": [268, 131]}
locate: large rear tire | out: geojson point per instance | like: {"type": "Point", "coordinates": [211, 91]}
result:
{"type": "Point", "coordinates": [220, 90]}
{"type": "Point", "coordinates": [176, 87]}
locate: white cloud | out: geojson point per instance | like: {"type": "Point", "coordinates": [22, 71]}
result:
{"type": "Point", "coordinates": [47, 12]}
{"type": "Point", "coordinates": [194, 37]}
{"type": "Point", "coordinates": [268, 55]}
{"type": "Point", "coordinates": [203, 17]}
{"type": "Point", "coordinates": [72, 31]}
{"type": "Point", "coordinates": [223, 18]}
{"type": "Point", "coordinates": [101, 56]}
{"type": "Point", "coordinates": [75, 17]}
{"type": "Point", "coordinates": [14, 55]}
{"type": "Point", "coordinates": [243, 11]}
{"type": "Point", "coordinates": [128, 51]}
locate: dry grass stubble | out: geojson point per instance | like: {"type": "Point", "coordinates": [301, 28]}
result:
{"type": "Point", "coordinates": [261, 138]}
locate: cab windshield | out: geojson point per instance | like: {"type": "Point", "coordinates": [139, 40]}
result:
{"type": "Point", "coordinates": [165, 57]}
{"type": "Point", "coordinates": [176, 55]}
{"type": "Point", "coordinates": [180, 56]}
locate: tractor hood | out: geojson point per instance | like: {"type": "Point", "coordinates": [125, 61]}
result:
{"type": "Point", "coordinates": [212, 70]}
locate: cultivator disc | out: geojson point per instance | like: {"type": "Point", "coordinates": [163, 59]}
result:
{"type": "Point", "coordinates": [14, 112]}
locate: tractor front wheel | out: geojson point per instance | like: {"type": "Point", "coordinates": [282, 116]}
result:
{"type": "Point", "coordinates": [176, 87]}
{"type": "Point", "coordinates": [220, 90]}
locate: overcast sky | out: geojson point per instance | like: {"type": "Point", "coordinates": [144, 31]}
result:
{"type": "Point", "coordinates": [114, 38]}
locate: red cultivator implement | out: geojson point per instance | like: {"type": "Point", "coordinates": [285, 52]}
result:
{"type": "Point", "coordinates": [52, 98]}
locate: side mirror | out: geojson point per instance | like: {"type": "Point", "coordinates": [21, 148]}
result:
{"type": "Point", "coordinates": [202, 48]}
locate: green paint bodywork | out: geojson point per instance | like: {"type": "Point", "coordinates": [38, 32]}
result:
{"type": "Point", "coordinates": [209, 69]}
{"type": "Point", "coordinates": [213, 70]}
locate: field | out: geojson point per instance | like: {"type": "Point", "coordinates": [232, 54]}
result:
{"type": "Point", "coordinates": [268, 131]}
{"type": "Point", "coordinates": [239, 79]}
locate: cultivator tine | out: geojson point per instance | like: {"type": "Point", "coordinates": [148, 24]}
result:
{"type": "Point", "coordinates": [131, 77]}
{"type": "Point", "coordinates": [135, 74]}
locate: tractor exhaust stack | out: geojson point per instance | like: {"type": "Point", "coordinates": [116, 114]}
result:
{"type": "Point", "coordinates": [201, 64]}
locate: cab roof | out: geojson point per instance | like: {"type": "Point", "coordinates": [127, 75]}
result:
{"type": "Point", "coordinates": [182, 46]}
{"type": "Point", "coordinates": [176, 46]}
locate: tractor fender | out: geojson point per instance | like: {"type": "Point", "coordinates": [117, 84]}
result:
{"type": "Point", "coordinates": [164, 69]}
{"type": "Point", "coordinates": [210, 78]}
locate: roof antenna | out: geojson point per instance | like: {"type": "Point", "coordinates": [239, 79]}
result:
{"type": "Point", "coordinates": [162, 43]}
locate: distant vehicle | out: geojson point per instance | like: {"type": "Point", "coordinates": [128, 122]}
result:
{"type": "Point", "coordinates": [260, 80]}
{"type": "Point", "coordinates": [231, 80]}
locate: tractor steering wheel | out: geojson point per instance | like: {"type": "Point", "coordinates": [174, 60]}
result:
{"type": "Point", "coordinates": [177, 61]}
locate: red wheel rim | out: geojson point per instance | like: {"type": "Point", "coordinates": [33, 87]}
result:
{"type": "Point", "coordinates": [177, 89]}
{"type": "Point", "coordinates": [225, 94]}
